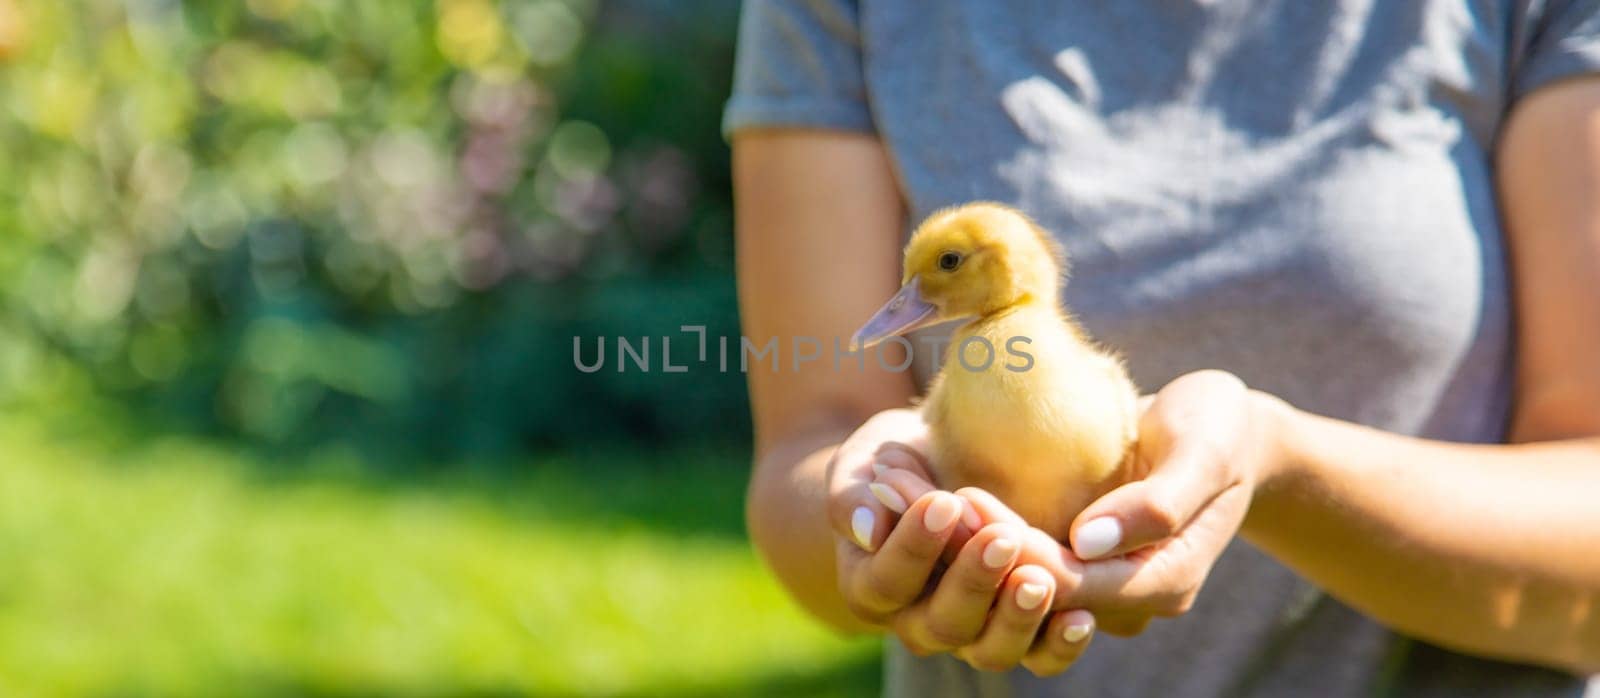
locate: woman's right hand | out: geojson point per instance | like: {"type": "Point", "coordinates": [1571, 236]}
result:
{"type": "Point", "coordinates": [883, 568]}
{"type": "Point", "coordinates": [890, 554]}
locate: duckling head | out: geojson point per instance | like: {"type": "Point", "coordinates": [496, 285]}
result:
{"type": "Point", "coordinates": [971, 261]}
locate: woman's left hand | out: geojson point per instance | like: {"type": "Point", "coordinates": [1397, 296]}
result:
{"type": "Point", "coordinates": [1205, 443]}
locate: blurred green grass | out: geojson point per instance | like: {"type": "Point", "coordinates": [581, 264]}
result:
{"type": "Point", "coordinates": [132, 564]}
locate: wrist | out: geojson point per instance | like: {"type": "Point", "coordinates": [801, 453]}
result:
{"type": "Point", "coordinates": [1278, 457]}
{"type": "Point", "coordinates": [1272, 420]}
{"type": "Point", "coordinates": [1285, 471]}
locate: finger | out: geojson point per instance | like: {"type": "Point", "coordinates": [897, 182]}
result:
{"type": "Point", "coordinates": [1015, 622]}
{"type": "Point", "coordinates": [848, 561]}
{"type": "Point", "coordinates": [1039, 549]}
{"type": "Point", "coordinates": [1122, 624]}
{"type": "Point", "coordinates": [1183, 436]}
{"type": "Point", "coordinates": [859, 517]}
{"type": "Point", "coordinates": [1163, 579]}
{"type": "Point", "coordinates": [903, 455]}
{"type": "Point", "coordinates": [955, 613]}
{"type": "Point", "coordinates": [912, 482]}
{"type": "Point", "coordinates": [989, 507]}
{"type": "Point", "coordinates": [1147, 582]}
{"type": "Point", "coordinates": [896, 574]}
{"type": "Point", "coordinates": [853, 512]}
{"type": "Point", "coordinates": [1075, 586]}
{"type": "Point", "coordinates": [895, 488]}
{"type": "Point", "coordinates": [1064, 639]}
{"type": "Point", "coordinates": [904, 447]}
{"type": "Point", "coordinates": [1153, 509]}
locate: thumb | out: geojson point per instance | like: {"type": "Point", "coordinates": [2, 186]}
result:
{"type": "Point", "coordinates": [1150, 510]}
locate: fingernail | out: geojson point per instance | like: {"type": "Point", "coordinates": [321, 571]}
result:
{"type": "Point", "coordinates": [941, 512]}
{"type": "Point", "coordinates": [861, 524]}
{"type": "Point", "coordinates": [1029, 596]}
{"type": "Point", "coordinates": [1098, 537]}
{"type": "Point", "coordinates": [889, 497]}
{"type": "Point", "coordinates": [998, 553]}
{"type": "Point", "coordinates": [879, 469]}
{"type": "Point", "coordinates": [1074, 633]}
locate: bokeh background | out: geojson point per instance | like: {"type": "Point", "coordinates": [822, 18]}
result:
{"type": "Point", "coordinates": [288, 291]}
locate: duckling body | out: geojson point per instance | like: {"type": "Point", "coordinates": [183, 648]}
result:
{"type": "Point", "coordinates": [1047, 440]}
{"type": "Point", "coordinates": [1048, 436]}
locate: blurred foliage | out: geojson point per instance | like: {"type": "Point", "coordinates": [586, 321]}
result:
{"type": "Point", "coordinates": [375, 221]}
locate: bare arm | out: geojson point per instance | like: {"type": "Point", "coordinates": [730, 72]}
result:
{"type": "Point", "coordinates": [1493, 550]}
{"type": "Point", "coordinates": [818, 227]}
{"type": "Point", "coordinates": [1488, 549]}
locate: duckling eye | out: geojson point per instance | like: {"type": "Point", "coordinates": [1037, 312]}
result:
{"type": "Point", "coordinates": [949, 261]}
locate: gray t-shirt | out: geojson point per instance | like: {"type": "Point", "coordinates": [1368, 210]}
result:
{"type": "Point", "coordinates": [1296, 191]}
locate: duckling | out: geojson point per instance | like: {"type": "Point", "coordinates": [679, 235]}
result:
{"type": "Point", "coordinates": [1046, 436]}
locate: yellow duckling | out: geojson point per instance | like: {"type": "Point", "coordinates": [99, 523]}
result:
{"type": "Point", "coordinates": [1047, 435]}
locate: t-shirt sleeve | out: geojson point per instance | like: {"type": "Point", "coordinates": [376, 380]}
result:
{"type": "Point", "coordinates": [799, 64]}
{"type": "Point", "coordinates": [1564, 42]}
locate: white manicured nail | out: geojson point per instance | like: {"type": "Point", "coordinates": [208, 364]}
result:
{"type": "Point", "coordinates": [1029, 596]}
{"type": "Point", "coordinates": [861, 524]}
{"type": "Point", "coordinates": [998, 553]}
{"type": "Point", "coordinates": [1074, 633]}
{"type": "Point", "coordinates": [889, 497]}
{"type": "Point", "coordinates": [878, 469]}
{"type": "Point", "coordinates": [941, 512]}
{"type": "Point", "coordinates": [1098, 537]}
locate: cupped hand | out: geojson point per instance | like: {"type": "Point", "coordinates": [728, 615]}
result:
{"type": "Point", "coordinates": [1205, 443]}
{"type": "Point", "coordinates": [1143, 550]}
{"type": "Point", "coordinates": [884, 568]}
{"type": "Point", "coordinates": [910, 559]}
{"type": "Point", "coordinates": [990, 608]}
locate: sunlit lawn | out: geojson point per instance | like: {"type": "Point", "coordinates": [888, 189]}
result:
{"type": "Point", "coordinates": [150, 566]}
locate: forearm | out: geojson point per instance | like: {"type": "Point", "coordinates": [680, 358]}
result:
{"type": "Point", "coordinates": [817, 224]}
{"type": "Point", "coordinates": [786, 515]}
{"type": "Point", "coordinates": [1493, 550]}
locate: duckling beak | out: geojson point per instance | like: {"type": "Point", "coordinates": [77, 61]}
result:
{"type": "Point", "coordinates": [903, 313]}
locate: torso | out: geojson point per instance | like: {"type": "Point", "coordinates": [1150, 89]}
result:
{"type": "Point", "coordinates": [1297, 192]}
